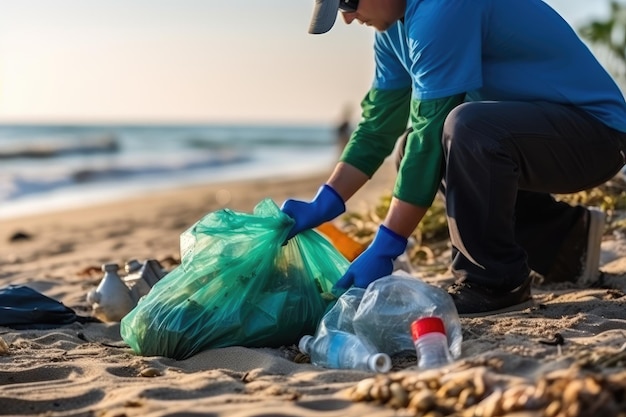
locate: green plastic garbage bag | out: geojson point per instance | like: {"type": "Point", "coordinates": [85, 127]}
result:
{"type": "Point", "coordinates": [237, 285]}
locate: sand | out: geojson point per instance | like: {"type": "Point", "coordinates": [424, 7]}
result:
{"type": "Point", "coordinates": [510, 363]}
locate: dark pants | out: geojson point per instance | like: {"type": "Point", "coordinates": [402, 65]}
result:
{"type": "Point", "coordinates": [503, 160]}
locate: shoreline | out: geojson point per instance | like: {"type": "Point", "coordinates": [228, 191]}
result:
{"type": "Point", "coordinates": [235, 194]}
{"type": "Point", "coordinates": [86, 194]}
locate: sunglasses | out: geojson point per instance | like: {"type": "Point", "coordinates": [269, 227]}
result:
{"type": "Point", "coordinates": [348, 6]}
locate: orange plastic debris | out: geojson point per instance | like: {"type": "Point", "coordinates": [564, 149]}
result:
{"type": "Point", "coordinates": [347, 246]}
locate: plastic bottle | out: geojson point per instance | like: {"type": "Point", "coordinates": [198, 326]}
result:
{"type": "Point", "coordinates": [343, 350]}
{"type": "Point", "coordinates": [111, 300]}
{"type": "Point", "coordinates": [341, 315]}
{"type": "Point", "coordinates": [132, 266]}
{"type": "Point", "coordinates": [134, 281]}
{"type": "Point", "coordinates": [389, 306]}
{"type": "Point", "coordinates": [152, 272]}
{"type": "Point", "coordinates": [431, 343]}
{"type": "Point", "coordinates": [142, 277]}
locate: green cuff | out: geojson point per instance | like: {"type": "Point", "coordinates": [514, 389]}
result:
{"type": "Point", "coordinates": [420, 172]}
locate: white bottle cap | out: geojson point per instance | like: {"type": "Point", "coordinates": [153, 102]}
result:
{"type": "Point", "coordinates": [304, 341]}
{"type": "Point", "coordinates": [379, 362]}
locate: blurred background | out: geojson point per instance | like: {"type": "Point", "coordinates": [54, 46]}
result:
{"type": "Point", "coordinates": [101, 99]}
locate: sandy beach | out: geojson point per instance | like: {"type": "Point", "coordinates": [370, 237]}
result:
{"type": "Point", "coordinates": [564, 356]}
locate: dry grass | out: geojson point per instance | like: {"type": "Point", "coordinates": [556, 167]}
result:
{"type": "Point", "coordinates": [430, 239]}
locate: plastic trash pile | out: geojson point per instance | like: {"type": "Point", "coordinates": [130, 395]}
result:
{"type": "Point", "coordinates": [116, 296]}
{"type": "Point", "coordinates": [394, 314]}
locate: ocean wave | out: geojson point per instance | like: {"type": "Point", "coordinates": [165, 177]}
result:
{"type": "Point", "coordinates": [18, 185]}
{"type": "Point", "coordinates": [105, 144]}
{"type": "Point", "coordinates": [45, 166]}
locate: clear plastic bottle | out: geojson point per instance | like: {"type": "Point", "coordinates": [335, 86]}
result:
{"type": "Point", "coordinates": [389, 306]}
{"type": "Point", "coordinates": [431, 343]}
{"type": "Point", "coordinates": [343, 350]}
{"type": "Point", "coordinates": [341, 315]}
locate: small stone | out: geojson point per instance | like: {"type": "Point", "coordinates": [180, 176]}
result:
{"type": "Point", "coordinates": [150, 372]}
{"type": "Point", "coordinates": [424, 400]}
{"type": "Point", "coordinates": [362, 390]}
{"type": "Point", "coordinates": [399, 397]}
{"type": "Point", "coordinates": [4, 347]}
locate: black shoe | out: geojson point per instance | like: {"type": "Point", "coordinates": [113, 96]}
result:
{"type": "Point", "coordinates": [476, 300]}
{"type": "Point", "coordinates": [578, 259]}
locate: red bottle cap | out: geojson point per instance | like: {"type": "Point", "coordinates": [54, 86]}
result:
{"type": "Point", "coordinates": [426, 325]}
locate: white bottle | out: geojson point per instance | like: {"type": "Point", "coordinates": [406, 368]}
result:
{"type": "Point", "coordinates": [134, 280]}
{"type": "Point", "coordinates": [111, 300]}
{"type": "Point", "coordinates": [343, 350]}
{"type": "Point", "coordinates": [431, 343]}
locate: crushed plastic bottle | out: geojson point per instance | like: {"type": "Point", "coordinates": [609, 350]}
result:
{"type": "Point", "coordinates": [141, 277]}
{"type": "Point", "coordinates": [341, 315]}
{"type": "Point", "coordinates": [380, 318]}
{"type": "Point", "coordinates": [431, 343]}
{"type": "Point", "coordinates": [342, 350]}
{"type": "Point", "coordinates": [389, 306]}
{"type": "Point", "coordinates": [336, 346]}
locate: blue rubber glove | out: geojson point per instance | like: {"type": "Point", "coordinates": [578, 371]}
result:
{"type": "Point", "coordinates": [326, 205]}
{"type": "Point", "coordinates": [376, 261]}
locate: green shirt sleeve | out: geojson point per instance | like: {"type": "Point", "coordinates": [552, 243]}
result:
{"type": "Point", "coordinates": [385, 114]}
{"type": "Point", "coordinates": [419, 175]}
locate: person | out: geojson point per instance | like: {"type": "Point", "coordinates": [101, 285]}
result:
{"type": "Point", "coordinates": [343, 130]}
{"type": "Point", "coordinates": [506, 107]}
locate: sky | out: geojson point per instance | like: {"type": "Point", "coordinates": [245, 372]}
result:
{"type": "Point", "coordinates": [187, 61]}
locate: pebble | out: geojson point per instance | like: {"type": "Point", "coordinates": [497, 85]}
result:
{"type": "Point", "coordinates": [150, 372]}
{"type": "Point", "coordinates": [4, 347]}
{"type": "Point", "coordinates": [479, 392]}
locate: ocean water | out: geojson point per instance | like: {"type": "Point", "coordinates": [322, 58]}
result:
{"type": "Point", "coordinates": [46, 168]}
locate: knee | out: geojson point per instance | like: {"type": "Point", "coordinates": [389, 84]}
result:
{"type": "Point", "coordinates": [462, 124]}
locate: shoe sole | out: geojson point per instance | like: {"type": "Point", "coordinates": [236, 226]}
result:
{"type": "Point", "coordinates": [514, 308]}
{"type": "Point", "coordinates": [591, 263]}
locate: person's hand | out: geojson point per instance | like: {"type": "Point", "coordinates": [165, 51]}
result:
{"type": "Point", "coordinates": [326, 205]}
{"type": "Point", "coordinates": [376, 261]}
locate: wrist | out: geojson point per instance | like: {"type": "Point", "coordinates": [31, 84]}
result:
{"type": "Point", "coordinates": [329, 202]}
{"type": "Point", "coordinates": [389, 242]}
{"type": "Point", "coordinates": [332, 193]}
